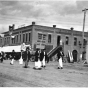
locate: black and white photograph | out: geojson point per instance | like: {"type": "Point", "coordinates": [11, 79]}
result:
{"type": "Point", "coordinates": [43, 43]}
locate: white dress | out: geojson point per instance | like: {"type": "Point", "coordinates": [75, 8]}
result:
{"type": "Point", "coordinates": [43, 62]}
{"type": "Point", "coordinates": [60, 62]}
{"type": "Point", "coordinates": [21, 60]}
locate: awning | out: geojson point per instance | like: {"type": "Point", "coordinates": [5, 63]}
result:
{"type": "Point", "coordinates": [10, 48]}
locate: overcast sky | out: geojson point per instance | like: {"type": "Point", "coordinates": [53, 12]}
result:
{"type": "Point", "coordinates": [63, 13]}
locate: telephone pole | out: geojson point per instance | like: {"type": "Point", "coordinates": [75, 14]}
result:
{"type": "Point", "coordinates": [83, 27]}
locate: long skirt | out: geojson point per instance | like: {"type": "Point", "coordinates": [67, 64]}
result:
{"type": "Point", "coordinates": [12, 61]}
{"type": "Point", "coordinates": [43, 61]}
{"type": "Point", "coordinates": [26, 63]}
{"type": "Point", "coordinates": [60, 64]}
{"type": "Point", "coordinates": [21, 60]}
{"type": "Point", "coordinates": [38, 64]}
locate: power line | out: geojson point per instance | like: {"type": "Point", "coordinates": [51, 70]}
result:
{"type": "Point", "coordinates": [12, 17]}
{"type": "Point", "coordinates": [18, 19]}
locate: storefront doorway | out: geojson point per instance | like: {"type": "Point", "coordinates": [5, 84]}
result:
{"type": "Point", "coordinates": [74, 55]}
{"type": "Point", "coordinates": [58, 40]}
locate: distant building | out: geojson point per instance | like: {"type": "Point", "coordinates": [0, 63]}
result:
{"type": "Point", "coordinates": [45, 37]}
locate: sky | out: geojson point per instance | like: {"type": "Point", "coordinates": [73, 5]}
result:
{"type": "Point", "coordinates": [62, 13]}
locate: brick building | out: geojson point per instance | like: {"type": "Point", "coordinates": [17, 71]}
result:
{"type": "Point", "coordinates": [45, 37]}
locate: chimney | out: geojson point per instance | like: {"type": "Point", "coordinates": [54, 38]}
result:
{"type": "Point", "coordinates": [71, 28]}
{"type": "Point", "coordinates": [10, 28]}
{"type": "Point", "coordinates": [13, 26]}
{"type": "Point", "coordinates": [33, 23]}
{"type": "Point", "coordinates": [54, 26]}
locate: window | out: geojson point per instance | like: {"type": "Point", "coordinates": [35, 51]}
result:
{"type": "Point", "coordinates": [84, 42]}
{"type": "Point", "coordinates": [75, 41]}
{"type": "Point", "coordinates": [49, 38]}
{"type": "Point", "coordinates": [39, 36]}
{"type": "Point", "coordinates": [29, 36]}
{"type": "Point", "coordinates": [44, 37]}
{"type": "Point", "coordinates": [12, 41]}
{"type": "Point", "coordinates": [0, 41]}
{"type": "Point", "coordinates": [5, 41]}
{"type": "Point", "coordinates": [67, 40]}
{"type": "Point", "coordinates": [20, 37]}
{"type": "Point", "coordinates": [17, 38]}
{"type": "Point", "coordinates": [26, 37]}
{"type": "Point", "coordinates": [23, 37]}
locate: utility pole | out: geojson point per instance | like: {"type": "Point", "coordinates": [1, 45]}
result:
{"type": "Point", "coordinates": [83, 27]}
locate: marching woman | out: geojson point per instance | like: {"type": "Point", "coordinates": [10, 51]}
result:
{"type": "Point", "coordinates": [23, 49]}
{"type": "Point", "coordinates": [37, 60]}
{"type": "Point", "coordinates": [60, 54]}
{"type": "Point", "coordinates": [21, 57]}
{"type": "Point", "coordinates": [44, 58]}
{"type": "Point", "coordinates": [26, 57]}
{"type": "Point", "coordinates": [13, 55]}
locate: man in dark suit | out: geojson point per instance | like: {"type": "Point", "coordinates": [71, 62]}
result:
{"type": "Point", "coordinates": [26, 57]}
{"type": "Point", "coordinates": [41, 55]}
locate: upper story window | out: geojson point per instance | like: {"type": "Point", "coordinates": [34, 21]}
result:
{"type": "Point", "coordinates": [23, 37]}
{"type": "Point", "coordinates": [84, 42]}
{"type": "Point", "coordinates": [26, 37]}
{"type": "Point", "coordinates": [20, 37]}
{"type": "Point", "coordinates": [67, 40]}
{"type": "Point", "coordinates": [29, 36]}
{"type": "Point", "coordinates": [75, 41]}
{"type": "Point", "coordinates": [49, 38]}
{"type": "Point", "coordinates": [0, 41]}
{"type": "Point", "coordinates": [39, 36]}
{"type": "Point", "coordinates": [17, 38]}
{"type": "Point", "coordinates": [44, 37]}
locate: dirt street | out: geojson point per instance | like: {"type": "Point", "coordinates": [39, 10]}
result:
{"type": "Point", "coordinates": [73, 75]}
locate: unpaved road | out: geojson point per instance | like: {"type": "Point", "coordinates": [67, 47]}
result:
{"type": "Point", "coordinates": [73, 75]}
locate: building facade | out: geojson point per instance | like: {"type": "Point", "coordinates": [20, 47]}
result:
{"type": "Point", "coordinates": [46, 37]}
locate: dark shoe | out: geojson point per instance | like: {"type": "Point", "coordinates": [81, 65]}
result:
{"type": "Point", "coordinates": [61, 67]}
{"type": "Point", "coordinates": [39, 68]}
{"type": "Point", "coordinates": [42, 66]}
{"type": "Point", "coordinates": [25, 67]}
{"type": "Point", "coordinates": [58, 68]}
{"type": "Point", "coordinates": [11, 64]}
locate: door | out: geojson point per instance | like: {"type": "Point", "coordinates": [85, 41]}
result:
{"type": "Point", "coordinates": [74, 55]}
{"type": "Point", "coordinates": [58, 40]}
